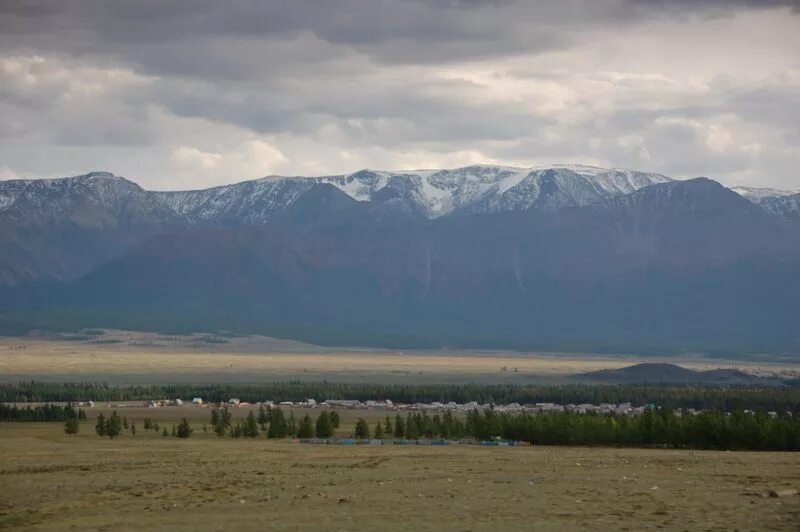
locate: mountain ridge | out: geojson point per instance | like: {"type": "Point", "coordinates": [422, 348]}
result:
{"type": "Point", "coordinates": [567, 263]}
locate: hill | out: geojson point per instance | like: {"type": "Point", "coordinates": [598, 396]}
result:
{"type": "Point", "coordinates": [663, 373]}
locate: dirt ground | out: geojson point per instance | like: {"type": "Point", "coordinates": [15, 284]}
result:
{"type": "Point", "coordinates": [128, 357]}
{"type": "Point", "coordinates": [50, 481]}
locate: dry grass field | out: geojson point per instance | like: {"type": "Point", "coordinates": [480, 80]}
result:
{"type": "Point", "coordinates": [50, 481]}
{"type": "Point", "coordinates": [126, 357]}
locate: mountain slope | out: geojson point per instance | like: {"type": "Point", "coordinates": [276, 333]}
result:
{"type": "Point", "coordinates": [787, 207]}
{"type": "Point", "coordinates": [671, 267]}
{"type": "Point", "coordinates": [430, 194]}
{"type": "Point", "coordinates": [63, 228]}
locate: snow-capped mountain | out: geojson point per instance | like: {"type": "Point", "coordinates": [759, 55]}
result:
{"type": "Point", "coordinates": [244, 203]}
{"type": "Point", "coordinates": [431, 193]}
{"type": "Point", "coordinates": [96, 198]}
{"type": "Point", "coordinates": [560, 257]}
{"type": "Point", "coordinates": [785, 206]}
{"type": "Point", "coordinates": [782, 203]}
{"type": "Point", "coordinates": [757, 195]}
{"type": "Point", "coordinates": [61, 228]}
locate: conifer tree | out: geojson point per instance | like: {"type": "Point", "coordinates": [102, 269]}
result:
{"type": "Point", "coordinates": [164, 433]}
{"type": "Point", "coordinates": [362, 429]}
{"type": "Point", "coordinates": [399, 427]}
{"type": "Point", "coordinates": [387, 426]}
{"type": "Point", "coordinates": [225, 417]}
{"type": "Point", "coordinates": [220, 421]}
{"type": "Point", "coordinates": [263, 418]}
{"type": "Point", "coordinates": [133, 428]}
{"type": "Point", "coordinates": [250, 429]}
{"type": "Point", "coordinates": [306, 428]}
{"type": "Point", "coordinates": [72, 426]}
{"type": "Point", "coordinates": [113, 425]}
{"type": "Point", "coordinates": [334, 417]}
{"type": "Point", "coordinates": [184, 430]}
{"type": "Point", "coordinates": [324, 427]}
{"type": "Point", "coordinates": [412, 430]}
{"type": "Point", "coordinates": [277, 424]}
{"type": "Point", "coordinates": [291, 425]}
{"type": "Point", "coordinates": [125, 423]}
{"type": "Point", "coordinates": [100, 426]}
{"type": "Point", "coordinates": [378, 434]}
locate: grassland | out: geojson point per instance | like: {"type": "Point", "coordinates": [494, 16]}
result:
{"type": "Point", "coordinates": [126, 357]}
{"type": "Point", "coordinates": [50, 481]}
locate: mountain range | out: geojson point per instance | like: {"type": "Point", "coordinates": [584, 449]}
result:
{"type": "Point", "coordinates": [558, 258]}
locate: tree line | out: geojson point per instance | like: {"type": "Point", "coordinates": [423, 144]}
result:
{"type": "Point", "coordinates": [656, 427]}
{"type": "Point", "coordinates": [274, 424]}
{"type": "Point", "coordinates": [779, 399]}
{"type": "Point", "coordinates": [43, 413]}
{"type": "Point", "coordinates": [661, 427]}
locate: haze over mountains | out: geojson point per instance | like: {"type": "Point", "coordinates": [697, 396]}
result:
{"type": "Point", "coordinates": [561, 258]}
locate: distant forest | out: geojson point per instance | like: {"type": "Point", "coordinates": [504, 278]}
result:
{"type": "Point", "coordinates": [698, 397]}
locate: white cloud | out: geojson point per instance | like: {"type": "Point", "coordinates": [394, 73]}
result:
{"type": "Point", "coordinates": [7, 173]}
{"type": "Point", "coordinates": [195, 159]}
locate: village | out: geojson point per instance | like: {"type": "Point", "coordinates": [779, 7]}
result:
{"type": "Point", "coordinates": [627, 409]}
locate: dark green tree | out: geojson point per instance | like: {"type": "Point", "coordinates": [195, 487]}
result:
{"type": "Point", "coordinates": [100, 426]}
{"type": "Point", "coordinates": [362, 429]}
{"type": "Point", "coordinates": [412, 428]}
{"type": "Point", "coordinates": [378, 434]}
{"type": "Point", "coordinates": [113, 425]}
{"type": "Point", "coordinates": [184, 430]}
{"type": "Point", "coordinates": [263, 418]}
{"type": "Point", "coordinates": [306, 428]}
{"type": "Point", "coordinates": [334, 416]}
{"type": "Point", "coordinates": [399, 427]}
{"type": "Point", "coordinates": [291, 425]}
{"type": "Point", "coordinates": [72, 426]}
{"type": "Point", "coordinates": [277, 424]}
{"type": "Point", "coordinates": [250, 428]}
{"type": "Point", "coordinates": [324, 427]}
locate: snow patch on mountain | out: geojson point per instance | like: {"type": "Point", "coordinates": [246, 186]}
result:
{"type": "Point", "coordinates": [786, 206]}
{"type": "Point", "coordinates": [757, 195]}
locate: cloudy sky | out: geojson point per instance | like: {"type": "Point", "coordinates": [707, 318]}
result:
{"type": "Point", "coordinates": [178, 95]}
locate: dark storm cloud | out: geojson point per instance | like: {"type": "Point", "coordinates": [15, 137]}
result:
{"type": "Point", "coordinates": [306, 86]}
{"type": "Point", "coordinates": [386, 30]}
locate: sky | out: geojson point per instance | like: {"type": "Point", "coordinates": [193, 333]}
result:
{"type": "Point", "coordinates": [183, 95]}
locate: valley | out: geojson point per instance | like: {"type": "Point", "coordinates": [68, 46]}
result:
{"type": "Point", "coordinates": [125, 357]}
